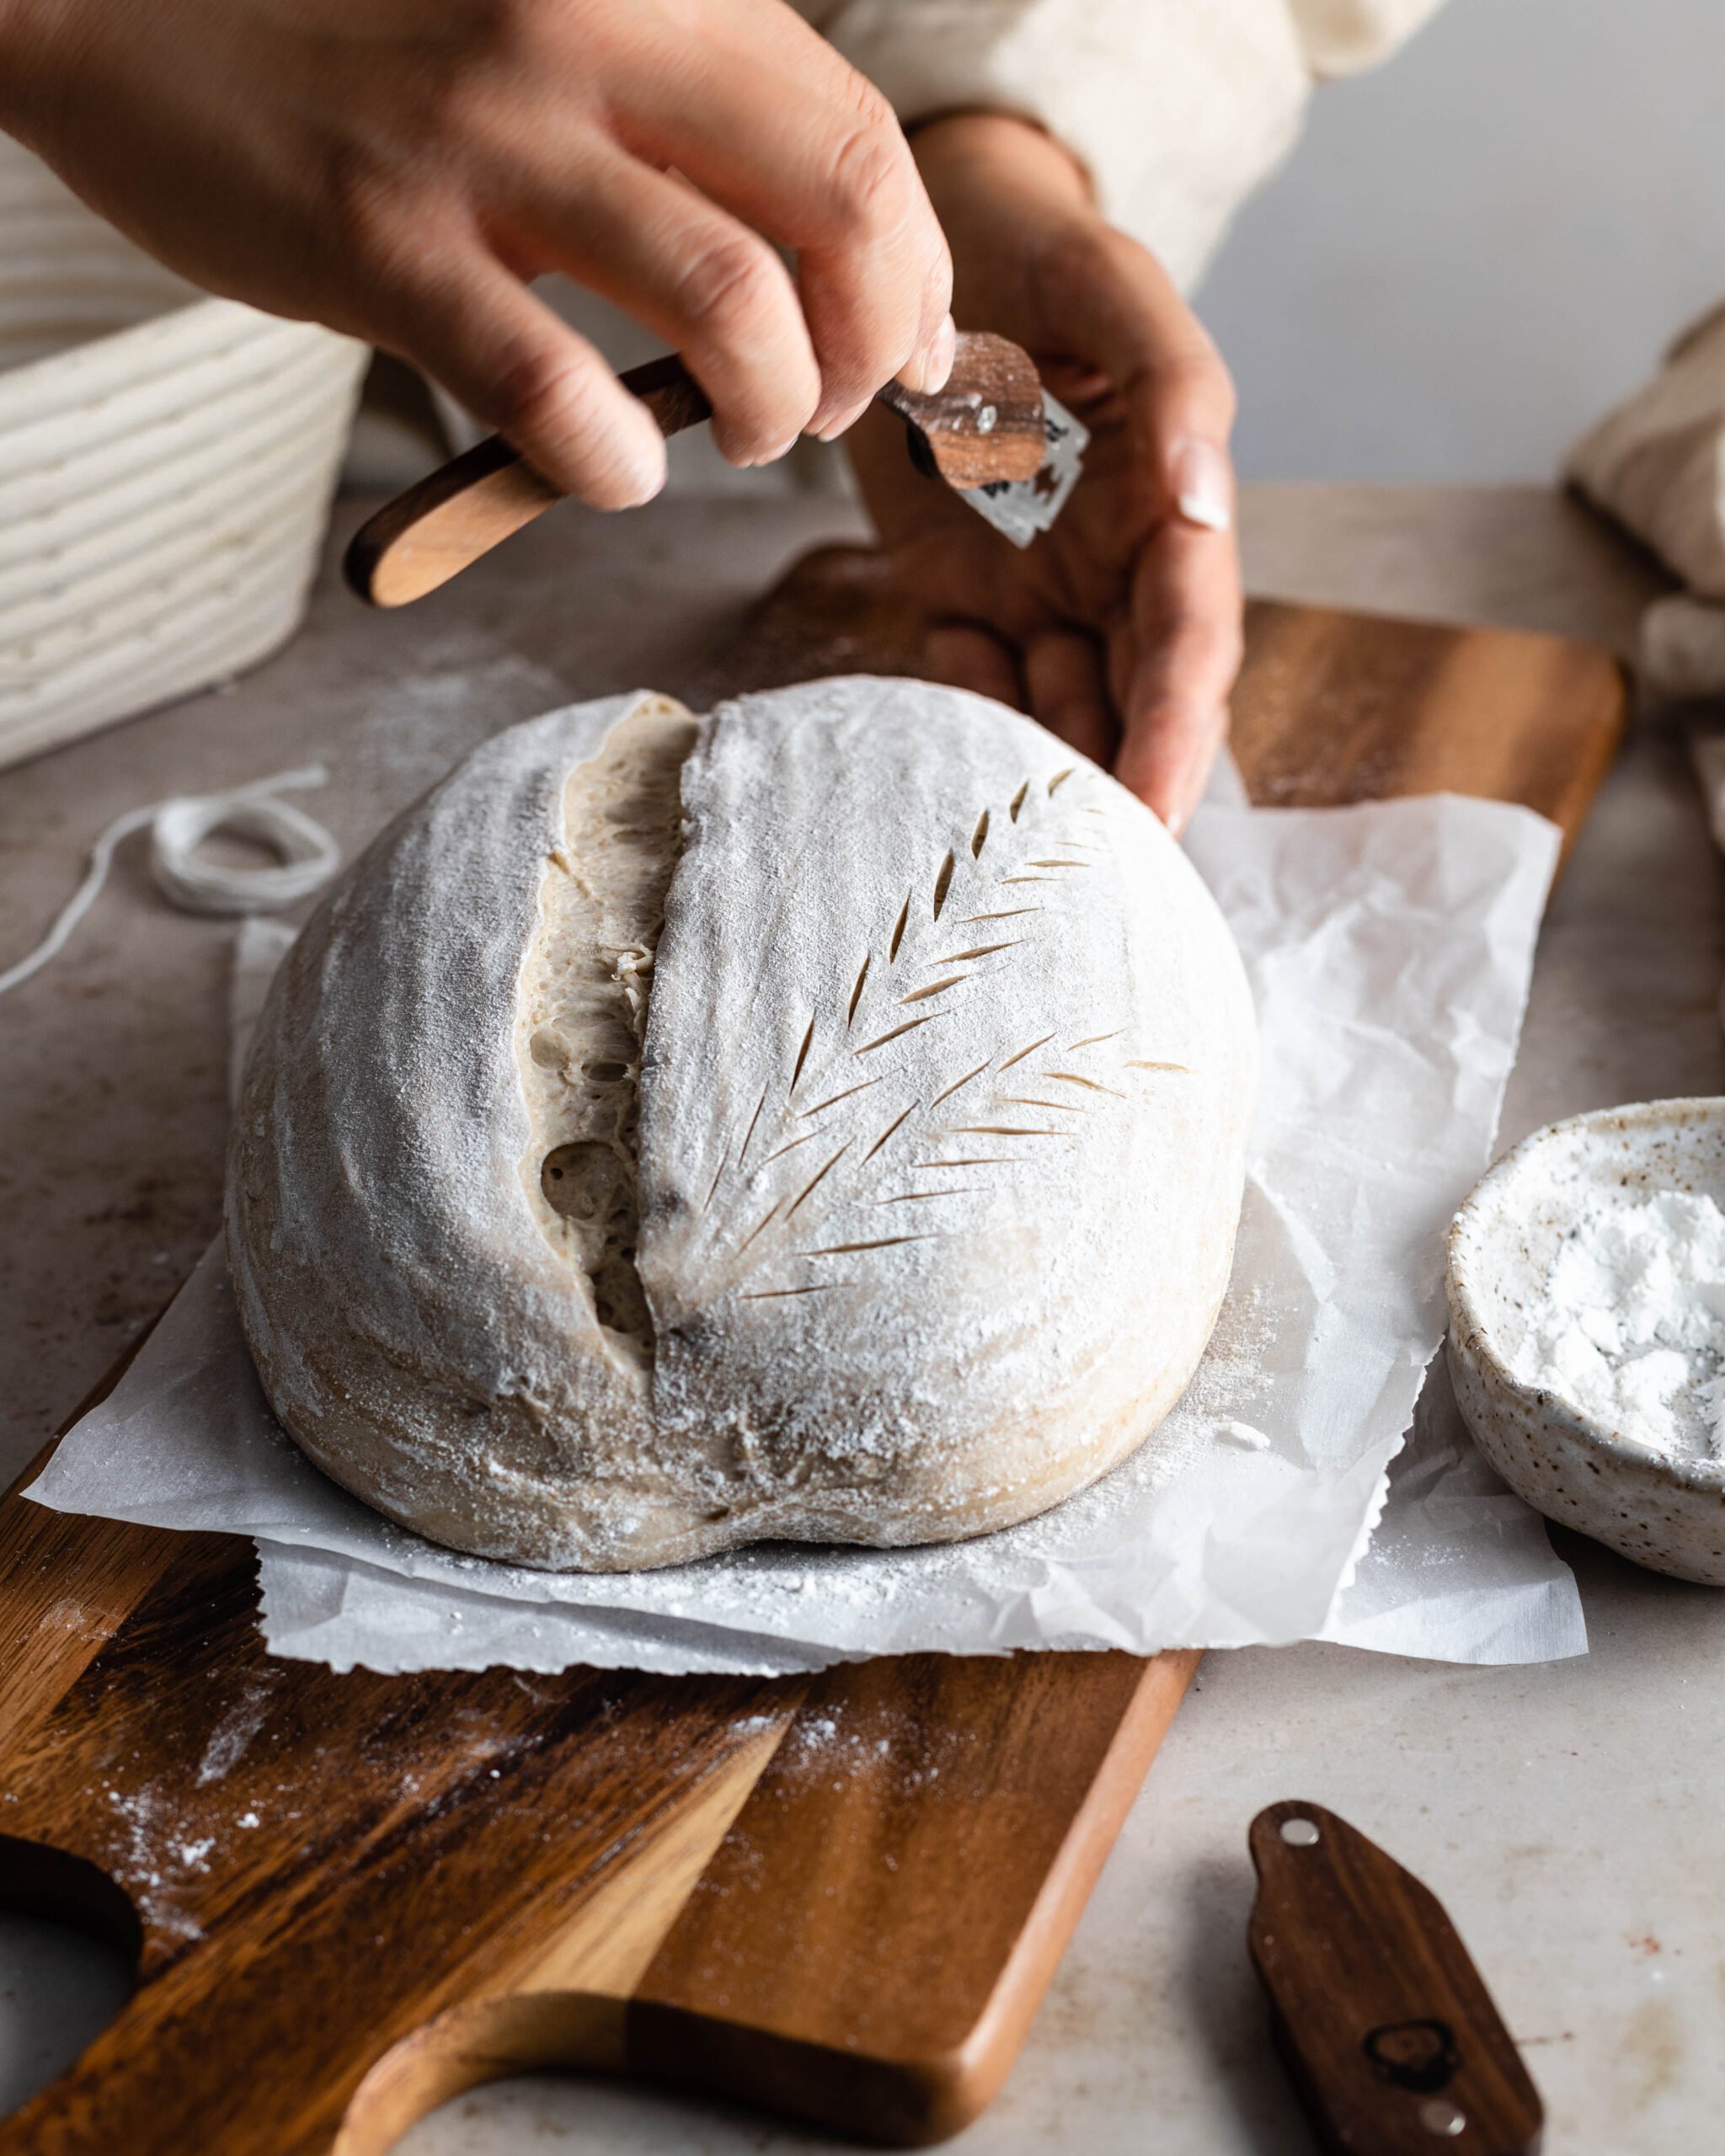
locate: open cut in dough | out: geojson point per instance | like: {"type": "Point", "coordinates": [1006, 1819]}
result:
{"type": "Point", "coordinates": [822, 1120]}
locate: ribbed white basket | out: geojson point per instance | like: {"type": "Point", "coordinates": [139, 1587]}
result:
{"type": "Point", "coordinates": [166, 466]}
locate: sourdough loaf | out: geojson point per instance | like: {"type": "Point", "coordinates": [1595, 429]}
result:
{"type": "Point", "coordinates": [824, 1119]}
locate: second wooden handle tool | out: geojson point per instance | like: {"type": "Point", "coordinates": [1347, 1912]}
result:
{"type": "Point", "coordinates": [1386, 2026]}
{"type": "Point", "coordinates": [986, 426]}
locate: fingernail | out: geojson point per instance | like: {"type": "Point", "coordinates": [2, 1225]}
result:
{"type": "Point", "coordinates": [772, 456]}
{"type": "Point", "coordinates": [1203, 484]}
{"type": "Point", "coordinates": [832, 429]}
{"type": "Point", "coordinates": [927, 370]}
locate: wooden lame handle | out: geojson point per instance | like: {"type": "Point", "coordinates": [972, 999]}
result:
{"type": "Point", "coordinates": [986, 426]}
{"type": "Point", "coordinates": [470, 504]}
{"type": "Point", "coordinates": [1386, 2026]}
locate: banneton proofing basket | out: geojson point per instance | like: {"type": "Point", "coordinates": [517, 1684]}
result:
{"type": "Point", "coordinates": [166, 466]}
{"type": "Point", "coordinates": [1667, 1514]}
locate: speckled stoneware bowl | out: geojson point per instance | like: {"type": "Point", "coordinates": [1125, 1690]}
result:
{"type": "Point", "coordinates": [1668, 1514]}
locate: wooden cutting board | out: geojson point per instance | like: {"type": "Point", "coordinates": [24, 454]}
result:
{"type": "Point", "coordinates": [350, 1897]}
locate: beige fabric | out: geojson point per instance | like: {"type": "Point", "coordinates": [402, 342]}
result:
{"type": "Point", "coordinates": [1179, 108]}
{"type": "Point", "coordinates": [1680, 659]}
{"type": "Point", "coordinates": [1656, 461]}
{"type": "Point", "coordinates": [1343, 36]}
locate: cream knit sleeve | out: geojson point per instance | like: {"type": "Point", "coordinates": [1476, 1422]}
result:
{"type": "Point", "coordinates": [1177, 108]}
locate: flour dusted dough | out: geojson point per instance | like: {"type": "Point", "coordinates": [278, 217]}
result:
{"type": "Point", "coordinates": [865, 1168]}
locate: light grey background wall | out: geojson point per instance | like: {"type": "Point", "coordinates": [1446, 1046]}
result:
{"type": "Point", "coordinates": [1477, 246]}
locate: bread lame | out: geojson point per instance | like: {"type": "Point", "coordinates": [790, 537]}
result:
{"type": "Point", "coordinates": [993, 433]}
{"type": "Point", "coordinates": [1392, 2041]}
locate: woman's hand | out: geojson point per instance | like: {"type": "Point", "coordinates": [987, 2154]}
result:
{"type": "Point", "coordinates": [1119, 628]}
{"type": "Point", "coordinates": [400, 168]}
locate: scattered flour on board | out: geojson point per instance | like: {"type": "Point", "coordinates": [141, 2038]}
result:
{"type": "Point", "coordinates": [1630, 1326]}
{"type": "Point", "coordinates": [232, 1734]}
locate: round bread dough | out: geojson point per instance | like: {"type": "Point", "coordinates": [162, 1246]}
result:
{"type": "Point", "coordinates": [824, 1119]}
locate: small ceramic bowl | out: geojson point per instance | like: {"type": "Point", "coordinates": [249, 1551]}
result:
{"type": "Point", "coordinates": [166, 467]}
{"type": "Point", "coordinates": [1668, 1514]}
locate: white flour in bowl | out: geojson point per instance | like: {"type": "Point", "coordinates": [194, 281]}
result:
{"type": "Point", "coordinates": [1629, 1328]}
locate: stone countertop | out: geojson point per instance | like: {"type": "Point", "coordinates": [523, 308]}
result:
{"type": "Point", "coordinates": [1567, 1814]}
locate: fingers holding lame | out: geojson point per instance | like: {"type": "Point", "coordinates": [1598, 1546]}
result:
{"type": "Point", "coordinates": [964, 655]}
{"type": "Point", "coordinates": [472, 325]}
{"type": "Point", "coordinates": [715, 291]}
{"type": "Point", "coordinates": [782, 131]}
{"type": "Point", "coordinates": [1065, 674]}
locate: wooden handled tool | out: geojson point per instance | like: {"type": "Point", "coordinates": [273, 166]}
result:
{"type": "Point", "coordinates": [1388, 2031]}
{"type": "Point", "coordinates": [986, 427]}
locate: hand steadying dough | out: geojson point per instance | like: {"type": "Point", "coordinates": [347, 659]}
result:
{"type": "Point", "coordinates": [399, 169]}
{"type": "Point", "coordinates": [1120, 628]}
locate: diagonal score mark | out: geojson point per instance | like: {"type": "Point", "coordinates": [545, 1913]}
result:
{"type": "Point", "coordinates": [725, 1161]}
{"type": "Point", "coordinates": [790, 1146]}
{"type": "Point", "coordinates": [809, 1189]}
{"type": "Point", "coordinates": [939, 988]}
{"type": "Point", "coordinates": [755, 1231]}
{"type": "Point", "coordinates": [749, 1134]}
{"type": "Point", "coordinates": [1024, 1052]}
{"type": "Point", "coordinates": [877, 1242]}
{"type": "Point", "coordinates": [910, 1026]}
{"type": "Point", "coordinates": [956, 1084]}
{"type": "Point", "coordinates": [802, 1058]}
{"type": "Point", "coordinates": [1090, 1085]}
{"type": "Point", "coordinates": [833, 1099]}
{"type": "Point", "coordinates": [982, 951]}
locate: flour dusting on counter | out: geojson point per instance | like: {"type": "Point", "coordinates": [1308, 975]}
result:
{"type": "Point", "coordinates": [1631, 1326]}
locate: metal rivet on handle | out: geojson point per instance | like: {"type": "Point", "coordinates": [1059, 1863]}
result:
{"type": "Point", "coordinates": [1299, 1834]}
{"type": "Point", "coordinates": [986, 418]}
{"type": "Point", "coordinates": [1442, 2119]}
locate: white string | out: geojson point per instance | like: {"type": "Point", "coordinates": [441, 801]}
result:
{"type": "Point", "coordinates": [308, 857]}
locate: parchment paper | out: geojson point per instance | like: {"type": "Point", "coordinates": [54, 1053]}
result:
{"type": "Point", "coordinates": [1389, 947]}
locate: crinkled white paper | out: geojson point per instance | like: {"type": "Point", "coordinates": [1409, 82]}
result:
{"type": "Point", "coordinates": [1389, 947]}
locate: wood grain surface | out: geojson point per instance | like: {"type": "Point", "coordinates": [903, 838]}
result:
{"type": "Point", "coordinates": [352, 1897]}
{"type": "Point", "coordinates": [1388, 2030]}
